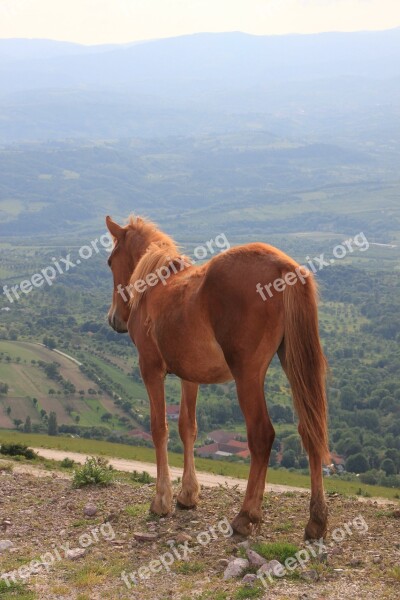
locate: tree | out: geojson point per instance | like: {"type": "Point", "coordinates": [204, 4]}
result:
{"type": "Point", "coordinates": [273, 458]}
{"type": "Point", "coordinates": [52, 425]}
{"type": "Point", "coordinates": [348, 397]}
{"type": "Point", "coordinates": [388, 466]}
{"type": "Point", "coordinates": [77, 419]}
{"type": "Point", "coordinates": [49, 342]}
{"type": "Point", "coordinates": [288, 459]}
{"type": "Point", "coordinates": [28, 425]}
{"type": "Point", "coordinates": [357, 463]}
{"type": "Point", "coordinates": [292, 442]}
{"type": "Point", "coordinates": [17, 423]}
{"type": "Point", "coordinates": [106, 417]}
{"type": "Point", "coordinates": [8, 410]}
{"type": "Point", "coordinates": [4, 388]}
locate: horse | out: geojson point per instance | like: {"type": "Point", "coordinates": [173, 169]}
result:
{"type": "Point", "coordinates": [210, 323]}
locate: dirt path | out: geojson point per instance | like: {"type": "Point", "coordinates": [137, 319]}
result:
{"type": "Point", "coordinates": [206, 479]}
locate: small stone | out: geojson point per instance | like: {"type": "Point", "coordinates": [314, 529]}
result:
{"type": "Point", "coordinates": [377, 560]}
{"type": "Point", "coordinates": [5, 545]}
{"type": "Point", "coordinates": [245, 544]}
{"type": "Point", "coordinates": [273, 567]}
{"type": "Point", "coordinates": [249, 578]}
{"type": "Point", "coordinates": [256, 560]}
{"type": "Point", "coordinates": [356, 562]}
{"type": "Point", "coordinates": [145, 537]}
{"type": "Point", "coordinates": [75, 553]}
{"type": "Point", "coordinates": [90, 510]}
{"type": "Point", "coordinates": [236, 568]}
{"type": "Point", "coordinates": [6, 523]}
{"type": "Point", "coordinates": [222, 563]}
{"type": "Point", "coordinates": [183, 537]}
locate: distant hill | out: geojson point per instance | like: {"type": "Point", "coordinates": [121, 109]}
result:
{"type": "Point", "coordinates": [189, 84]}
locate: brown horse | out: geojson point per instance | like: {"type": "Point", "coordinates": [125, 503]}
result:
{"type": "Point", "coordinates": [208, 324]}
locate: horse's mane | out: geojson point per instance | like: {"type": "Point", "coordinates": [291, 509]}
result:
{"type": "Point", "coordinates": [162, 251]}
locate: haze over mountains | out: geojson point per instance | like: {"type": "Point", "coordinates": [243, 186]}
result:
{"type": "Point", "coordinates": [280, 134]}
{"type": "Point", "coordinates": [193, 84]}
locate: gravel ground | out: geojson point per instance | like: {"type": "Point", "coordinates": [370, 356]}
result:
{"type": "Point", "coordinates": [82, 557]}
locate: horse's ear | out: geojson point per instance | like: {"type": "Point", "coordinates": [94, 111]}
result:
{"type": "Point", "coordinates": [116, 230]}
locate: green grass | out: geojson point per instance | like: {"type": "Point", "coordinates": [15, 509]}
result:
{"type": "Point", "coordinates": [245, 592]}
{"type": "Point", "coordinates": [130, 386]}
{"type": "Point", "coordinates": [138, 510]}
{"type": "Point", "coordinates": [15, 590]}
{"type": "Point", "coordinates": [276, 550]}
{"type": "Point", "coordinates": [94, 447]}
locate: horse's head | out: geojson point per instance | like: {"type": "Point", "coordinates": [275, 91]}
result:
{"type": "Point", "coordinates": [131, 244]}
{"type": "Point", "coordinates": [121, 262]}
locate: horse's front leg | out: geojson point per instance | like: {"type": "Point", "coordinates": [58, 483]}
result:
{"type": "Point", "coordinates": [188, 496]}
{"type": "Point", "coordinates": [153, 378]}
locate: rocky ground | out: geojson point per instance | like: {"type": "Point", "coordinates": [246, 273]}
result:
{"type": "Point", "coordinates": [101, 543]}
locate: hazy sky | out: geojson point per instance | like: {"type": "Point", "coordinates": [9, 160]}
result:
{"type": "Point", "coordinates": [106, 21]}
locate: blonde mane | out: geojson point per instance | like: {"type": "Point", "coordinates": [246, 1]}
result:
{"type": "Point", "coordinates": [161, 253]}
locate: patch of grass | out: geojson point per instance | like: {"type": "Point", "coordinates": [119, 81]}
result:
{"type": "Point", "coordinates": [385, 513]}
{"type": "Point", "coordinates": [138, 510]}
{"type": "Point", "coordinates": [62, 590]}
{"type": "Point", "coordinates": [67, 463]}
{"type": "Point", "coordinates": [245, 592]}
{"type": "Point", "coordinates": [90, 575]}
{"type": "Point", "coordinates": [82, 523]}
{"type": "Point", "coordinates": [363, 492]}
{"type": "Point", "coordinates": [95, 471]}
{"type": "Point", "coordinates": [187, 568]}
{"type": "Point", "coordinates": [143, 477]}
{"type": "Point", "coordinates": [284, 527]}
{"type": "Point", "coordinates": [395, 573]}
{"type": "Point", "coordinates": [6, 467]}
{"type": "Point", "coordinates": [15, 590]}
{"type": "Point", "coordinates": [275, 550]}
{"type": "Point", "coordinates": [213, 595]}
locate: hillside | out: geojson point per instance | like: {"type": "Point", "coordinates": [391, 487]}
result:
{"type": "Point", "coordinates": [360, 557]}
{"type": "Point", "coordinates": [42, 380]}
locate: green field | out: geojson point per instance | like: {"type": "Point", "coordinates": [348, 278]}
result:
{"type": "Point", "coordinates": [26, 380]}
{"type": "Point", "coordinates": [281, 477]}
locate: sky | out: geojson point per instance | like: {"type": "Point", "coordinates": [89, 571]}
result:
{"type": "Point", "coordinates": [123, 21]}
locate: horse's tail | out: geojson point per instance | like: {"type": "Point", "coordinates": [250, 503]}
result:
{"type": "Point", "coordinates": [304, 361]}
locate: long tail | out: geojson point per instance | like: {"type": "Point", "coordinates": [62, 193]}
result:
{"type": "Point", "coordinates": [305, 363]}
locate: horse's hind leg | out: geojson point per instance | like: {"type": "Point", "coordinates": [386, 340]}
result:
{"type": "Point", "coordinates": [188, 496]}
{"type": "Point", "coordinates": [316, 527]}
{"type": "Point", "coordinates": [260, 436]}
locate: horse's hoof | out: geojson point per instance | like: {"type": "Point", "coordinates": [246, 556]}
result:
{"type": "Point", "coordinates": [186, 500]}
{"type": "Point", "coordinates": [315, 530]}
{"type": "Point", "coordinates": [182, 506]}
{"type": "Point", "coordinates": [242, 525]}
{"type": "Point", "coordinates": [160, 507]}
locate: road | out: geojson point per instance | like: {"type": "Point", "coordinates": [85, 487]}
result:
{"type": "Point", "coordinates": [122, 464]}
